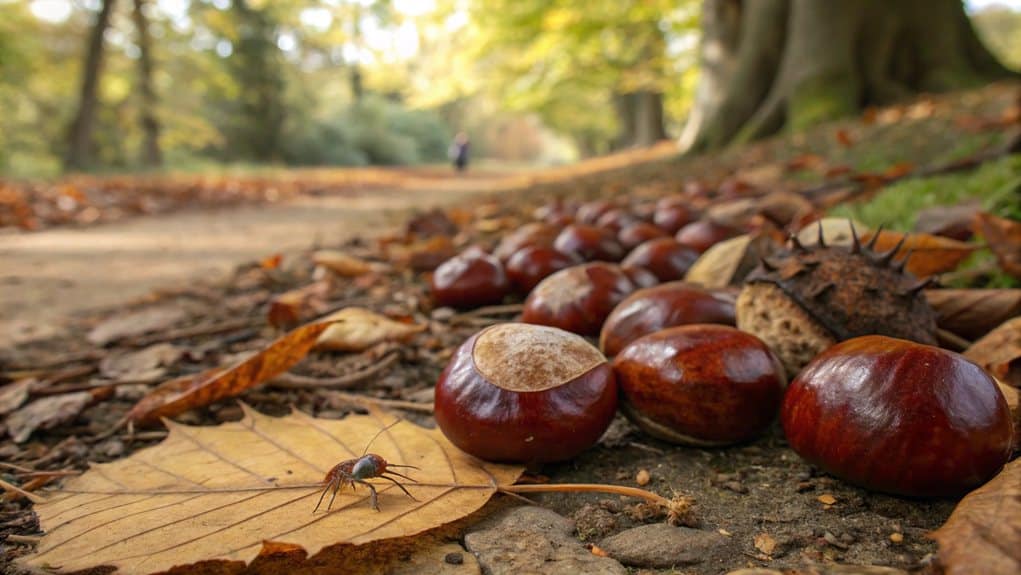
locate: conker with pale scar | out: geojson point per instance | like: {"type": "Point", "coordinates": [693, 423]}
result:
{"type": "Point", "coordinates": [525, 393]}
{"type": "Point", "coordinates": [470, 279]}
{"type": "Point", "coordinates": [702, 384]}
{"type": "Point", "coordinates": [897, 416]}
{"type": "Point", "coordinates": [579, 298]}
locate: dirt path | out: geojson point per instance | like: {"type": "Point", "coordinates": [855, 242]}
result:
{"type": "Point", "coordinates": [46, 277]}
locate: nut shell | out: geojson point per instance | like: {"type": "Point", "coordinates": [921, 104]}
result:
{"type": "Point", "coordinates": [900, 417]}
{"type": "Point", "coordinates": [700, 384]}
{"type": "Point", "coordinates": [525, 393]}
{"type": "Point", "coordinates": [470, 279]}
{"type": "Point", "coordinates": [579, 298]}
{"type": "Point", "coordinates": [529, 266]}
{"type": "Point", "coordinates": [590, 243]}
{"type": "Point", "coordinates": [664, 257]}
{"type": "Point", "coordinates": [666, 305]}
{"type": "Point", "coordinates": [704, 234]}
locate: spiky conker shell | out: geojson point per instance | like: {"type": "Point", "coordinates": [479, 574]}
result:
{"type": "Point", "coordinates": [802, 301]}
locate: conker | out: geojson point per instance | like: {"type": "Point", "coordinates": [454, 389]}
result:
{"type": "Point", "coordinates": [672, 217]}
{"type": "Point", "coordinates": [532, 234]}
{"type": "Point", "coordinates": [530, 265]}
{"type": "Point", "coordinates": [667, 258]}
{"type": "Point", "coordinates": [578, 298]}
{"type": "Point", "coordinates": [898, 416]}
{"type": "Point", "coordinates": [700, 384]}
{"type": "Point", "coordinates": [704, 234]}
{"type": "Point", "coordinates": [525, 393]}
{"type": "Point", "coordinates": [616, 219]}
{"type": "Point", "coordinates": [589, 243]}
{"type": "Point", "coordinates": [666, 305]}
{"type": "Point", "coordinates": [470, 279]}
{"type": "Point", "coordinates": [632, 235]}
{"type": "Point", "coordinates": [589, 212]}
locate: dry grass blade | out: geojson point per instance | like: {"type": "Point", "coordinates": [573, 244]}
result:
{"type": "Point", "coordinates": [218, 493]}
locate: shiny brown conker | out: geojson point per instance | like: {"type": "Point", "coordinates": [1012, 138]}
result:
{"type": "Point", "coordinates": [700, 384]}
{"type": "Point", "coordinates": [531, 234]}
{"type": "Point", "coordinates": [667, 258]}
{"type": "Point", "coordinates": [470, 279]}
{"type": "Point", "coordinates": [897, 416]}
{"type": "Point", "coordinates": [525, 393]}
{"type": "Point", "coordinates": [616, 219]}
{"type": "Point", "coordinates": [590, 243]}
{"type": "Point", "coordinates": [672, 217]}
{"type": "Point", "coordinates": [589, 212]}
{"type": "Point", "coordinates": [632, 235]}
{"type": "Point", "coordinates": [530, 265]}
{"type": "Point", "coordinates": [579, 298]}
{"type": "Point", "coordinates": [704, 234]}
{"type": "Point", "coordinates": [666, 305]}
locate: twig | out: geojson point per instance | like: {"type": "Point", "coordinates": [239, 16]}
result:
{"type": "Point", "coordinates": [588, 488]}
{"type": "Point", "coordinates": [294, 381]}
{"type": "Point", "coordinates": [26, 494]}
{"type": "Point", "coordinates": [19, 468]}
{"type": "Point", "coordinates": [394, 403]}
{"type": "Point", "coordinates": [14, 538]}
{"type": "Point", "coordinates": [951, 340]}
{"type": "Point", "coordinates": [194, 331]}
{"type": "Point", "coordinates": [90, 385]}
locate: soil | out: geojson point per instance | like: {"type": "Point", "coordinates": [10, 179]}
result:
{"type": "Point", "coordinates": [743, 492]}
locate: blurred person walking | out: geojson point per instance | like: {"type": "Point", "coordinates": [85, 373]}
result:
{"type": "Point", "coordinates": [458, 151]}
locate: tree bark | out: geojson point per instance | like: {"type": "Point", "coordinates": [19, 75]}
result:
{"type": "Point", "coordinates": [800, 62]}
{"type": "Point", "coordinates": [151, 154]}
{"type": "Point", "coordinates": [79, 146]}
{"type": "Point", "coordinates": [640, 116]}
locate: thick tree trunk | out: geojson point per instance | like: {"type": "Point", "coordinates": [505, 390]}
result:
{"type": "Point", "coordinates": [79, 145]}
{"type": "Point", "coordinates": [799, 62]}
{"type": "Point", "coordinates": [640, 115]}
{"type": "Point", "coordinates": [151, 153]}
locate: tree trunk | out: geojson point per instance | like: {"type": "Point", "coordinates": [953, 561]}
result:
{"type": "Point", "coordinates": [640, 115]}
{"type": "Point", "coordinates": [800, 62]}
{"type": "Point", "coordinates": [79, 146]}
{"type": "Point", "coordinates": [151, 154]}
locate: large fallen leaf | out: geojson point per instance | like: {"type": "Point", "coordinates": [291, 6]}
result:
{"type": "Point", "coordinates": [974, 312]}
{"type": "Point", "coordinates": [1004, 239]}
{"type": "Point", "coordinates": [999, 352]}
{"type": "Point", "coordinates": [358, 329]}
{"type": "Point", "coordinates": [930, 255]}
{"type": "Point", "coordinates": [983, 534]}
{"type": "Point", "coordinates": [182, 394]}
{"type": "Point", "coordinates": [221, 493]}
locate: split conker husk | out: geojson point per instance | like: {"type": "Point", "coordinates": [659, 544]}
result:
{"type": "Point", "coordinates": [470, 279]}
{"type": "Point", "coordinates": [579, 298]}
{"type": "Point", "coordinates": [702, 384]}
{"type": "Point", "coordinates": [899, 417]}
{"type": "Point", "coordinates": [666, 305]}
{"type": "Point", "coordinates": [525, 393]}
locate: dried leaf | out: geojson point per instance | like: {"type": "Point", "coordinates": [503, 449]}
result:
{"type": "Point", "coordinates": [1013, 397]}
{"type": "Point", "coordinates": [1004, 239]}
{"type": "Point", "coordinates": [218, 493]}
{"type": "Point", "coordinates": [983, 534]}
{"type": "Point", "coordinates": [827, 499]}
{"type": "Point", "coordinates": [999, 352]}
{"type": "Point", "coordinates": [343, 264]}
{"type": "Point", "coordinates": [930, 255]}
{"type": "Point", "coordinates": [972, 313]}
{"type": "Point", "coordinates": [953, 222]}
{"type": "Point", "coordinates": [136, 323]}
{"type": "Point", "coordinates": [46, 413]}
{"type": "Point", "coordinates": [13, 395]}
{"type": "Point", "coordinates": [289, 308]}
{"type": "Point", "coordinates": [143, 364]}
{"type": "Point", "coordinates": [179, 395]}
{"type": "Point", "coordinates": [358, 329]}
{"type": "Point", "coordinates": [764, 542]}
{"type": "Point", "coordinates": [836, 232]}
{"type": "Point", "coordinates": [729, 261]}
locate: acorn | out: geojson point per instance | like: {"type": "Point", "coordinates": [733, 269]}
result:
{"type": "Point", "coordinates": [804, 300]}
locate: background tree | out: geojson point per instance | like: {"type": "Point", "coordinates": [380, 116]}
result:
{"type": "Point", "coordinates": [799, 62]}
{"type": "Point", "coordinates": [79, 143]}
{"type": "Point", "coordinates": [151, 154]}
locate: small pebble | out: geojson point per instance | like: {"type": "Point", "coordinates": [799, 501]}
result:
{"type": "Point", "coordinates": [827, 499]}
{"type": "Point", "coordinates": [453, 558]}
{"type": "Point", "coordinates": [896, 538]}
{"type": "Point", "coordinates": [643, 478]}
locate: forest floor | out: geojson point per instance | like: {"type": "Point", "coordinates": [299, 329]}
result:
{"type": "Point", "coordinates": [179, 293]}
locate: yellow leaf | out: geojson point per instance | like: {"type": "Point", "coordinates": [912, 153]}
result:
{"type": "Point", "coordinates": [219, 493]}
{"type": "Point", "coordinates": [357, 329]}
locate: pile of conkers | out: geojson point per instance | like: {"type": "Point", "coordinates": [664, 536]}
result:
{"type": "Point", "coordinates": [887, 414]}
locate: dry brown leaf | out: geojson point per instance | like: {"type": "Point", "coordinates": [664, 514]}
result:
{"type": "Point", "coordinates": [835, 231]}
{"type": "Point", "coordinates": [345, 265]}
{"type": "Point", "coordinates": [764, 542]}
{"type": "Point", "coordinates": [729, 261]}
{"type": "Point", "coordinates": [143, 364]}
{"type": "Point", "coordinates": [358, 329]}
{"type": "Point", "coordinates": [1004, 239]}
{"type": "Point", "coordinates": [1013, 397]}
{"type": "Point", "coordinates": [13, 395]}
{"type": "Point", "coordinates": [972, 313]}
{"type": "Point", "coordinates": [999, 352]}
{"type": "Point", "coordinates": [930, 255]}
{"type": "Point", "coordinates": [46, 413]}
{"type": "Point", "coordinates": [287, 309]}
{"type": "Point", "coordinates": [136, 323]}
{"type": "Point", "coordinates": [983, 534]}
{"type": "Point", "coordinates": [179, 395]}
{"type": "Point", "coordinates": [218, 493]}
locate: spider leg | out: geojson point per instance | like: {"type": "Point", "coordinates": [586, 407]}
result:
{"type": "Point", "coordinates": [395, 465]}
{"type": "Point", "coordinates": [399, 475]}
{"type": "Point", "coordinates": [336, 487]}
{"type": "Point", "coordinates": [398, 484]}
{"type": "Point", "coordinates": [373, 496]}
{"type": "Point", "coordinates": [326, 487]}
